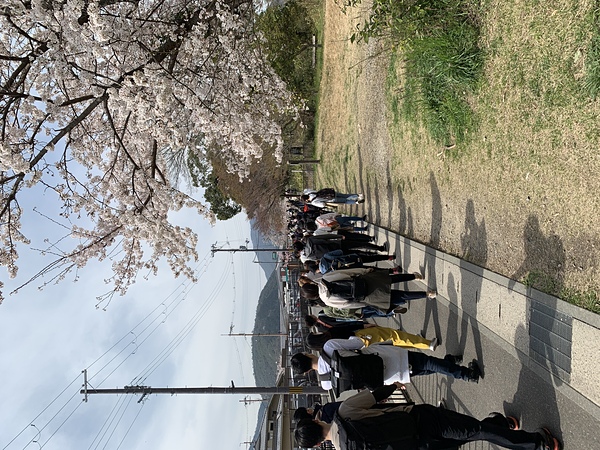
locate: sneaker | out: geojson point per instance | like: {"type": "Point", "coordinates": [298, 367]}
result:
{"type": "Point", "coordinates": [431, 294]}
{"type": "Point", "coordinates": [454, 359]}
{"type": "Point", "coordinates": [400, 310]}
{"type": "Point", "coordinates": [418, 276]}
{"type": "Point", "coordinates": [433, 344]}
{"type": "Point", "coordinates": [474, 373]}
{"type": "Point", "coordinates": [549, 442]}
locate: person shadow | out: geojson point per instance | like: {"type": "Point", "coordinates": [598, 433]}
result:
{"type": "Point", "coordinates": [543, 266]}
{"type": "Point", "coordinates": [465, 292]}
{"type": "Point", "coordinates": [429, 269]}
{"type": "Point", "coordinates": [474, 250]}
{"type": "Point", "coordinates": [547, 336]}
{"type": "Point", "coordinates": [533, 400]}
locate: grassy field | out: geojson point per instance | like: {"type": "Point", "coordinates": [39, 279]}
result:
{"type": "Point", "coordinates": [513, 186]}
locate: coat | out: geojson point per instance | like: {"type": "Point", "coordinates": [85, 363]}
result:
{"type": "Point", "coordinates": [390, 427]}
{"type": "Point", "coordinates": [378, 288]}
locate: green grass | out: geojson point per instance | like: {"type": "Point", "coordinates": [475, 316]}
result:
{"type": "Point", "coordinates": [591, 84]}
{"type": "Point", "coordinates": [550, 285]}
{"type": "Point", "coordinates": [446, 69]}
{"type": "Point", "coordinates": [592, 76]}
{"type": "Point", "coordinates": [316, 13]}
{"type": "Point", "coordinates": [584, 299]}
{"type": "Point", "coordinates": [439, 48]}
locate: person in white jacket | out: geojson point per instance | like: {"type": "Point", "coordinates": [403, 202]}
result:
{"type": "Point", "coordinates": [399, 363]}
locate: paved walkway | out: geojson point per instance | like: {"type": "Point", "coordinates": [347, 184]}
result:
{"type": "Point", "coordinates": [540, 355]}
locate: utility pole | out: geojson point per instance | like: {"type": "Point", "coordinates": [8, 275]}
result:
{"type": "Point", "coordinates": [243, 248]}
{"type": "Point", "coordinates": [248, 400]}
{"type": "Point", "coordinates": [255, 334]}
{"type": "Point", "coordinates": [255, 390]}
{"type": "Point", "coordinates": [304, 161]}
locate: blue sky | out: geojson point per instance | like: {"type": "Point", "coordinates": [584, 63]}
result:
{"type": "Point", "coordinates": [47, 337]}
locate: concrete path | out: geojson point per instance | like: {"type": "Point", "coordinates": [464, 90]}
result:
{"type": "Point", "coordinates": [540, 355]}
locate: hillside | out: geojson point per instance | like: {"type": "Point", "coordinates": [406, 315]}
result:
{"type": "Point", "coordinates": [265, 259]}
{"type": "Point", "coordinates": [266, 349]}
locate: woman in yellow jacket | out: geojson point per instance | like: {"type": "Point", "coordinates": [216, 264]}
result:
{"type": "Point", "coordinates": [375, 334]}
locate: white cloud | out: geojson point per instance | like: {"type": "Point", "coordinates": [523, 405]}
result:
{"type": "Point", "coordinates": [47, 337]}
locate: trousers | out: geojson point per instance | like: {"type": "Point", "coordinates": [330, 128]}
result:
{"type": "Point", "coordinates": [422, 364]}
{"type": "Point", "coordinates": [399, 297]}
{"type": "Point", "coordinates": [348, 221]}
{"type": "Point", "coordinates": [440, 429]}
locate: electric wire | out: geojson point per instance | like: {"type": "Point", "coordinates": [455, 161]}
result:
{"type": "Point", "coordinates": [187, 329]}
{"type": "Point", "coordinates": [205, 261]}
{"type": "Point", "coordinates": [179, 298]}
{"type": "Point", "coordinates": [42, 412]}
{"type": "Point", "coordinates": [61, 425]}
{"type": "Point", "coordinates": [111, 418]}
{"type": "Point", "coordinates": [55, 416]}
{"type": "Point", "coordinates": [118, 421]}
{"type": "Point", "coordinates": [105, 422]}
{"type": "Point", "coordinates": [131, 425]}
{"type": "Point", "coordinates": [109, 423]}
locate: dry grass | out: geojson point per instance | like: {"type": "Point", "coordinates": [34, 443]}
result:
{"type": "Point", "coordinates": [521, 196]}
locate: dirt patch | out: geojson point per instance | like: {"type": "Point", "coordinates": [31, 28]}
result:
{"type": "Point", "coordinates": [521, 197]}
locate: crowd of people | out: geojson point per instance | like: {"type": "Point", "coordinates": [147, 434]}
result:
{"type": "Point", "coordinates": [342, 282]}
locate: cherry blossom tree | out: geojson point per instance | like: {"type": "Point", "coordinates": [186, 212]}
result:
{"type": "Point", "coordinates": [95, 93]}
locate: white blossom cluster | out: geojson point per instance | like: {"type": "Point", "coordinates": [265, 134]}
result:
{"type": "Point", "coordinates": [112, 83]}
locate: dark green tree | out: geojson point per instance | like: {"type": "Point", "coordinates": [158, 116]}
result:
{"type": "Point", "coordinates": [288, 31]}
{"type": "Point", "coordinates": [222, 206]}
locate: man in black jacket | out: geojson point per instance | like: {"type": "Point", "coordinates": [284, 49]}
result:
{"type": "Point", "coordinates": [417, 427]}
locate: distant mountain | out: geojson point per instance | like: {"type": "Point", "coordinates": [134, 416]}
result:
{"type": "Point", "coordinates": [266, 350]}
{"type": "Point", "coordinates": [265, 259]}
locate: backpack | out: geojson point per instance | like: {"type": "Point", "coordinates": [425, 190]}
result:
{"type": "Point", "coordinates": [393, 430]}
{"type": "Point", "coordinates": [326, 194]}
{"type": "Point", "coordinates": [316, 246]}
{"type": "Point", "coordinates": [354, 289]}
{"type": "Point", "coordinates": [327, 220]}
{"type": "Point", "coordinates": [351, 369]}
{"type": "Point", "coordinates": [346, 262]}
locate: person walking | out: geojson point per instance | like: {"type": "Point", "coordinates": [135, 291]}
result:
{"type": "Point", "coordinates": [399, 364]}
{"type": "Point", "coordinates": [337, 259]}
{"type": "Point", "coordinates": [358, 424]}
{"type": "Point", "coordinates": [371, 334]}
{"type": "Point", "coordinates": [314, 247]}
{"type": "Point", "coordinates": [365, 286]}
{"type": "Point", "coordinates": [329, 196]}
{"type": "Point", "coordinates": [334, 221]}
